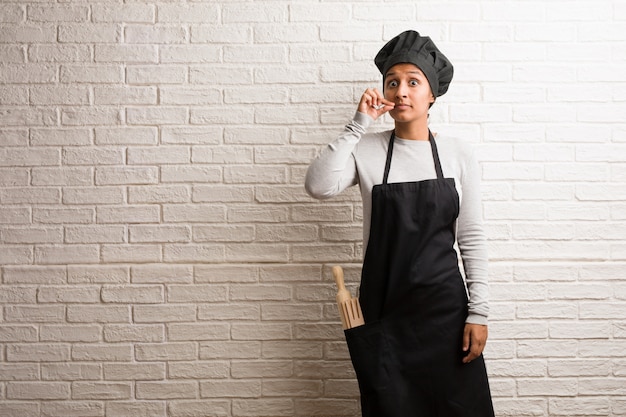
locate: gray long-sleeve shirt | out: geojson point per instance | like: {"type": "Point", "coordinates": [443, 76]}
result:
{"type": "Point", "coordinates": [357, 157]}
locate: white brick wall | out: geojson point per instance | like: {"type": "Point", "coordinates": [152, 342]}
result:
{"type": "Point", "coordinates": [159, 256]}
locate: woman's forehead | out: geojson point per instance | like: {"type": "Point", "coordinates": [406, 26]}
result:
{"type": "Point", "coordinates": [404, 68]}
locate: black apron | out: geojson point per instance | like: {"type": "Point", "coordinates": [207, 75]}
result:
{"type": "Point", "coordinates": [408, 355]}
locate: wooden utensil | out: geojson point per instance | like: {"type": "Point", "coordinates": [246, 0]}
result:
{"type": "Point", "coordinates": [349, 307]}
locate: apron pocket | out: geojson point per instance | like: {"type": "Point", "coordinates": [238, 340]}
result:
{"type": "Point", "coordinates": [369, 353]}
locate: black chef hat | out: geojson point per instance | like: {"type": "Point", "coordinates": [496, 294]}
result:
{"type": "Point", "coordinates": [410, 47]}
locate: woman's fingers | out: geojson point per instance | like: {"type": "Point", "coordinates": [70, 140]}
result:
{"type": "Point", "coordinates": [374, 103]}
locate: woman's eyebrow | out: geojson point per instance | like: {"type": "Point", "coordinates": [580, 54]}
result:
{"type": "Point", "coordinates": [391, 74]}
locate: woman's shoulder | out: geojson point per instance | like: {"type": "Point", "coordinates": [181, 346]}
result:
{"type": "Point", "coordinates": [454, 146]}
{"type": "Point", "coordinates": [374, 140]}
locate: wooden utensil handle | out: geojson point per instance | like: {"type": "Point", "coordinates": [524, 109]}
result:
{"type": "Point", "coordinates": [338, 274]}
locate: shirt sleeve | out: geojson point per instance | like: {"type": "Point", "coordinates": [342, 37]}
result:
{"type": "Point", "coordinates": [473, 243]}
{"type": "Point", "coordinates": [334, 169]}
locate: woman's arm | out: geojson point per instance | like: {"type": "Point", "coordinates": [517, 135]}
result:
{"type": "Point", "coordinates": [334, 169]}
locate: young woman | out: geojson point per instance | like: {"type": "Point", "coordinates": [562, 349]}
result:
{"type": "Point", "coordinates": [420, 350]}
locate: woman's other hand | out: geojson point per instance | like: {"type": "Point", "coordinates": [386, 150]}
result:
{"type": "Point", "coordinates": [474, 339]}
{"type": "Point", "coordinates": [374, 104]}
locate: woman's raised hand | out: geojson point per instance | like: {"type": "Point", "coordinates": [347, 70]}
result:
{"type": "Point", "coordinates": [374, 104]}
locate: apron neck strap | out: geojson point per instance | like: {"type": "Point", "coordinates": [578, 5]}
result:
{"type": "Point", "coordinates": [433, 147]}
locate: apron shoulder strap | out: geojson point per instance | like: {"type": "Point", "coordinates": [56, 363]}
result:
{"type": "Point", "coordinates": [389, 153]}
{"type": "Point", "coordinates": [433, 146]}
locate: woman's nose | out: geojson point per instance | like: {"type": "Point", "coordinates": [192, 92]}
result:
{"type": "Point", "coordinates": [401, 91]}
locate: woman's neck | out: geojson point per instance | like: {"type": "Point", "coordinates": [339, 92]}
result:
{"type": "Point", "coordinates": [412, 131]}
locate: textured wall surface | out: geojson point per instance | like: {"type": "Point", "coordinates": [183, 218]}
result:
{"type": "Point", "coordinates": [159, 256]}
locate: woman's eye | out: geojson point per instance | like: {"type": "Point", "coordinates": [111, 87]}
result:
{"type": "Point", "coordinates": [414, 82]}
{"type": "Point", "coordinates": [393, 84]}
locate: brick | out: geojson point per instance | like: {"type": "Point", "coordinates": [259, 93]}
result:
{"type": "Point", "coordinates": [90, 32]}
{"type": "Point", "coordinates": [259, 54]}
{"type": "Point", "coordinates": [18, 334]}
{"type": "Point", "coordinates": [297, 349]}
{"type": "Point", "coordinates": [126, 136]}
{"type": "Point", "coordinates": [158, 194]}
{"type": "Point", "coordinates": [239, 13]}
{"type": "Point", "coordinates": [148, 74]}
{"type": "Point", "coordinates": [59, 53]}
{"type": "Point", "coordinates": [16, 294]}
{"type": "Point", "coordinates": [73, 333]}
{"type": "Point", "coordinates": [61, 176]}
{"type": "Point", "coordinates": [29, 157]}
{"type": "Point", "coordinates": [225, 273]}
{"type": "Point", "coordinates": [193, 174]}
{"type": "Point", "coordinates": [91, 116]}
{"type": "Point", "coordinates": [261, 369]}
{"type": "Point", "coordinates": [133, 333]}
{"type": "Point", "coordinates": [221, 233]}
{"type": "Point", "coordinates": [255, 174]}
{"type": "Point", "coordinates": [221, 194]}
{"type": "Point", "coordinates": [74, 409]}
{"type": "Point", "coordinates": [131, 54]}
{"type": "Point", "coordinates": [253, 407]}
{"type": "Point", "coordinates": [60, 13]}
{"type": "Point", "coordinates": [160, 115]}
{"type": "Point", "coordinates": [101, 390]}
{"type": "Point", "coordinates": [193, 253]}
{"type": "Point", "coordinates": [166, 352]}
{"type": "Point", "coordinates": [578, 368]}
{"type": "Point", "coordinates": [131, 253]}
{"type": "Point", "coordinates": [144, 294]}
{"type": "Point", "coordinates": [273, 331]}
{"type": "Point", "coordinates": [61, 137]}
{"type": "Point", "coordinates": [102, 352]}
{"type": "Point", "coordinates": [13, 178]}
{"type": "Point", "coordinates": [255, 95]}
{"type": "Point", "coordinates": [128, 214]}
{"type": "Point", "coordinates": [13, 137]}
{"type": "Point", "coordinates": [221, 116]}
{"type": "Point", "coordinates": [137, 409]}
{"type": "Point", "coordinates": [219, 34]}
{"type": "Point", "coordinates": [196, 293]}
{"type": "Point", "coordinates": [64, 295]}
{"type": "Point", "coordinates": [184, 213]}
{"type": "Point", "coordinates": [159, 155]}
{"type": "Point", "coordinates": [230, 350]}
{"type": "Point", "coordinates": [93, 195]}
{"type": "Point", "coordinates": [259, 252]}
{"type": "Point", "coordinates": [19, 372]}
{"type": "Point", "coordinates": [28, 33]}
{"type": "Point", "coordinates": [294, 33]}
{"type": "Point", "coordinates": [15, 54]}
{"type": "Point", "coordinates": [199, 74]}
{"type": "Point", "coordinates": [188, 13]}
{"type": "Point", "coordinates": [157, 34]}
{"type": "Point", "coordinates": [38, 391]}
{"type": "Point", "coordinates": [32, 235]}
{"type": "Point", "coordinates": [162, 233]}
{"type": "Point", "coordinates": [22, 116]}
{"type": "Point", "coordinates": [199, 332]}
{"type": "Point", "coordinates": [12, 13]}
{"type": "Point", "coordinates": [13, 95]}
{"type": "Point", "coordinates": [164, 313]}
{"type": "Point", "coordinates": [125, 95]}
{"type": "Point", "coordinates": [198, 408]}
{"type": "Point", "coordinates": [67, 254]}
{"type": "Point", "coordinates": [97, 274]}
{"type": "Point", "coordinates": [191, 135]}
{"type": "Point", "coordinates": [34, 275]}
{"type": "Point", "coordinates": [579, 406]}
{"type": "Point", "coordinates": [126, 13]}
{"type": "Point", "coordinates": [126, 176]}
{"type": "Point", "coordinates": [98, 314]}
{"type": "Point", "coordinates": [44, 352]}
{"type": "Point", "coordinates": [147, 274]}
{"type": "Point", "coordinates": [222, 155]}
{"type": "Point", "coordinates": [231, 389]}
{"type": "Point", "coordinates": [234, 311]}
